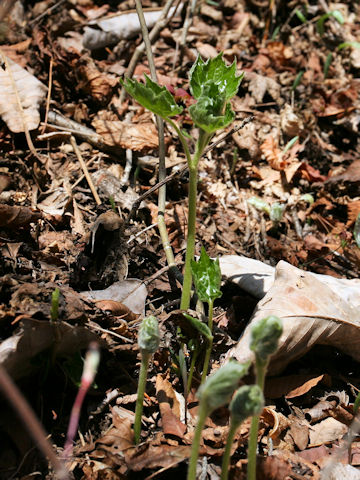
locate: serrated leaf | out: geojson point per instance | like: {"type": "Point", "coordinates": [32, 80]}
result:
{"type": "Point", "coordinates": [152, 96]}
{"type": "Point", "coordinates": [203, 115]}
{"type": "Point", "coordinates": [215, 70]}
{"type": "Point", "coordinates": [200, 326]}
{"type": "Point", "coordinates": [207, 277]}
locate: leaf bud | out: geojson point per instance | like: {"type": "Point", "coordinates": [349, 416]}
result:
{"type": "Point", "coordinates": [219, 387]}
{"type": "Point", "coordinates": [149, 336]}
{"type": "Point", "coordinates": [265, 335]}
{"type": "Point", "coordinates": [247, 402]}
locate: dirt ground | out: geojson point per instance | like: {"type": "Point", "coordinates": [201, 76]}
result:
{"type": "Point", "coordinates": [78, 213]}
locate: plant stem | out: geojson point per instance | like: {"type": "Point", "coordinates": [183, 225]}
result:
{"type": "Point", "coordinates": [260, 380]}
{"type": "Point", "coordinates": [145, 358]}
{"type": "Point", "coordinates": [191, 475]}
{"type": "Point", "coordinates": [203, 140]}
{"type": "Point", "coordinates": [210, 343]}
{"type": "Point", "coordinates": [227, 453]}
{"type": "Point", "coordinates": [192, 367]}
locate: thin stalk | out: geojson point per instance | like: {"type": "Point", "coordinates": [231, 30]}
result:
{"type": "Point", "coordinates": [192, 367]}
{"type": "Point", "coordinates": [160, 124]}
{"type": "Point", "coordinates": [145, 358]}
{"type": "Point", "coordinates": [210, 343]}
{"type": "Point", "coordinates": [227, 453]}
{"type": "Point", "coordinates": [251, 467]}
{"type": "Point", "coordinates": [203, 140]}
{"type": "Point", "coordinates": [191, 475]}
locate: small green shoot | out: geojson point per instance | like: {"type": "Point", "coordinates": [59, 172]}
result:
{"type": "Point", "coordinates": [307, 197]}
{"type": "Point", "coordinates": [357, 231]}
{"type": "Point", "coordinates": [54, 311]}
{"type": "Point", "coordinates": [276, 213]}
{"type": "Point", "coordinates": [300, 16]}
{"type": "Point", "coordinates": [213, 394]}
{"type": "Point", "coordinates": [275, 32]}
{"type": "Point", "coordinates": [259, 204]}
{"type": "Point", "coordinates": [112, 203]}
{"type": "Point", "coordinates": [148, 341]}
{"type": "Point", "coordinates": [349, 44]}
{"type": "Point", "coordinates": [247, 401]}
{"type": "Point", "coordinates": [327, 65]}
{"type": "Point", "coordinates": [207, 279]}
{"type": "Point", "coordinates": [290, 144]}
{"type": "Point", "coordinates": [335, 14]}
{"type": "Point", "coordinates": [356, 404]}
{"type": "Point", "coordinates": [265, 335]}
{"type": "Point", "coordinates": [297, 80]}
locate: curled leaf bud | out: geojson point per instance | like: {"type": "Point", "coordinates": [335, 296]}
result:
{"type": "Point", "coordinates": [247, 402]}
{"type": "Point", "coordinates": [276, 212]}
{"type": "Point", "coordinates": [265, 337]}
{"type": "Point", "coordinates": [219, 387]}
{"type": "Point", "coordinates": [149, 336]}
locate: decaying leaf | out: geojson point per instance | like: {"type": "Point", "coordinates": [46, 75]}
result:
{"type": "Point", "coordinates": [30, 91]}
{"type": "Point", "coordinates": [15, 217]}
{"type": "Point", "coordinates": [170, 408]}
{"type": "Point", "coordinates": [312, 314]}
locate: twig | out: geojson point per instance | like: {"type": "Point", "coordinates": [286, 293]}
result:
{"type": "Point", "coordinates": [128, 166]}
{"type": "Point", "coordinates": [48, 95]}
{"type": "Point", "coordinates": [185, 168]}
{"type": "Point", "coordinates": [85, 170]}
{"type": "Point", "coordinates": [187, 22]}
{"type": "Point", "coordinates": [36, 430]}
{"type": "Point", "coordinates": [162, 168]}
{"type": "Point", "coordinates": [160, 24]}
{"type": "Point", "coordinates": [47, 11]}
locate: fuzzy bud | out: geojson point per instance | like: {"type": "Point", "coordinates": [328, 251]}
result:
{"type": "Point", "coordinates": [265, 336]}
{"type": "Point", "coordinates": [149, 336]}
{"type": "Point", "coordinates": [219, 387]}
{"type": "Point", "coordinates": [247, 402]}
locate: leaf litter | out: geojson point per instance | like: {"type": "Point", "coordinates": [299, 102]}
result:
{"type": "Point", "coordinates": [305, 268]}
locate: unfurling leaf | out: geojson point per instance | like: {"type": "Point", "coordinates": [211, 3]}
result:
{"type": "Point", "coordinates": [200, 326]}
{"type": "Point", "coordinates": [248, 401]}
{"type": "Point", "coordinates": [149, 337]}
{"type": "Point", "coordinates": [205, 116]}
{"type": "Point", "coordinates": [219, 387]}
{"type": "Point", "coordinates": [217, 71]}
{"type": "Point", "coordinates": [207, 277]}
{"type": "Point", "coordinates": [259, 204]}
{"type": "Point", "coordinates": [152, 96]}
{"type": "Point", "coordinates": [265, 336]}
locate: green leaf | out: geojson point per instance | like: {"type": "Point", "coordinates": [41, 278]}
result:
{"type": "Point", "coordinates": [349, 44]}
{"type": "Point", "coordinates": [207, 277]}
{"type": "Point", "coordinates": [247, 401]}
{"type": "Point", "coordinates": [259, 204]}
{"type": "Point", "coordinates": [335, 14]}
{"type": "Point", "coordinates": [152, 96]}
{"type": "Point", "coordinates": [215, 70]}
{"type": "Point", "coordinates": [200, 326]}
{"type": "Point", "coordinates": [356, 404]}
{"type": "Point", "coordinates": [204, 117]}
{"type": "Point", "coordinates": [300, 16]}
{"type": "Point", "coordinates": [149, 335]}
{"type": "Point", "coordinates": [265, 335]}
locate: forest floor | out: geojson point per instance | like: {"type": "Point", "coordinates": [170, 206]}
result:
{"type": "Point", "coordinates": [75, 161]}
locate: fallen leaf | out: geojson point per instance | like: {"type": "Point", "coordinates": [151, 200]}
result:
{"type": "Point", "coordinates": [326, 431]}
{"type": "Point", "coordinates": [30, 91]}
{"type": "Point", "coordinates": [164, 456]}
{"type": "Point", "coordinates": [169, 408]}
{"type": "Point", "coordinates": [14, 217]}
{"type": "Point", "coordinates": [292, 386]}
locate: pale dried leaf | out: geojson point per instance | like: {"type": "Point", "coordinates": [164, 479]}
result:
{"type": "Point", "coordinates": [326, 431]}
{"type": "Point", "coordinates": [31, 94]}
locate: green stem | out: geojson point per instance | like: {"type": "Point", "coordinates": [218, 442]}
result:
{"type": "Point", "coordinates": [260, 380]}
{"type": "Point", "coordinates": [203, 140]}
{"type": "Point", "coordinates": [191, 475]}
{"type": "Point", "coordinates": [182, 139]}
{"type": "Point", "coordinates": [210, 343]}
{"type": "Point", "coordinates": [227, 453]}
{"type": "Point", "coordinates": [192, 367]}
{"type": "Point", "coordinates": [145, 358]}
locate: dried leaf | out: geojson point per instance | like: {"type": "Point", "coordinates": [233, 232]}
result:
{"type": "Point", "coordinates": [311, 312]}
{"type": "Point", "coordinates": [326, 431]}
{"type": "Point", "coordinates": [169, 408]}
{"type": "Point", "coordinates": [16, 217]}
{"type": "Point", "coordinates": [273, 154]}
{"type": "Point", "coordinates": [31, 93]}
{"type": "Point", "coordinates": [291, 386]}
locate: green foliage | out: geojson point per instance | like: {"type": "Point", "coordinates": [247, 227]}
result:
{"type": "Point", "coordinates": [152, 96]}
{"type": "Point", "coordinates": [356, 404]}
{"type": "Point", "coordinates": [54, 311]}
{"type": "Point", "coordinates": [207, 277]}
{"type": "Point", "coordinates": [349, 44]}
{"type": "Point", "coordinates": [259, 204]}
{"type": "Point", "coordinates": [297, 80]}
{"type": "Point", "coordinates": [300, 16]}
{"type": "Point", "coordinates": [357, 231]}
{"type": "Point", "coordinates": [265, 335]}
{"type": "Point", "coordinates": [290, 143]}
{"type": "Point", "coordinates": [307, 197]}
{"type": "Point", "coordinates": [247, 401]}
{"type": "Point", "coordinates": [327, 64]}
{"type": "Point", "coordinates": [219, 387]}
{"type": "Point", "coordinates": [335, 14]}
{"type": "Point", "coordinates": [199, 326]}
{"type": "Point", "coordinates": [214, 70]}
{"type": "Point", "coordinates": [149, 336]}
{"type": "Point", "coordinates": [276, 212]}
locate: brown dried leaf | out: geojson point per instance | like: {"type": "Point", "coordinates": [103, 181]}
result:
{"type": "Point", "coordinates": [353, 210]}
{"type": "Point", "coordinates": [16, 217]}
{"type": "Point", "coordinates": [273, 154]}
{"type": "Point", "coordinates": [133, 136]}
{"type": "Point", "coordinates": [116, 308]}
{"type": "Point", "coordinates": [291, 386]}
{"type": "Point", "coordinates": [169, 408]}
{"type": "Point", "coordinates": [164, 456]}
{"type": "Point", "coordinates": [312, 314]}
{"type": "Point", "coordinates": [326, 431]}
{"type": "Point", "coordinates": [31, 93]}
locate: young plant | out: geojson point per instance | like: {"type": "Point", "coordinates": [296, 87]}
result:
{"type": "Point", "coordinates": [148, 341]}
{"type": "Point", "coordinates": [247, 401]}
{"type": "Point", "coordinates": [207, 279]}
{"type": "Point", "coordinates": [212, 84]}
{"type": "Point", "coordinates": [214, 393]}
{"type": "Point", "coordinates": [91, 364]}
{"type": "Point", "coordinates": [54, 311]}
{"type": "Point", "coordinates": [275, 210]}
{"type": "Point", "coordinates": [265, 336]}
{"type": "Point", "coordinates": [335, 14]}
